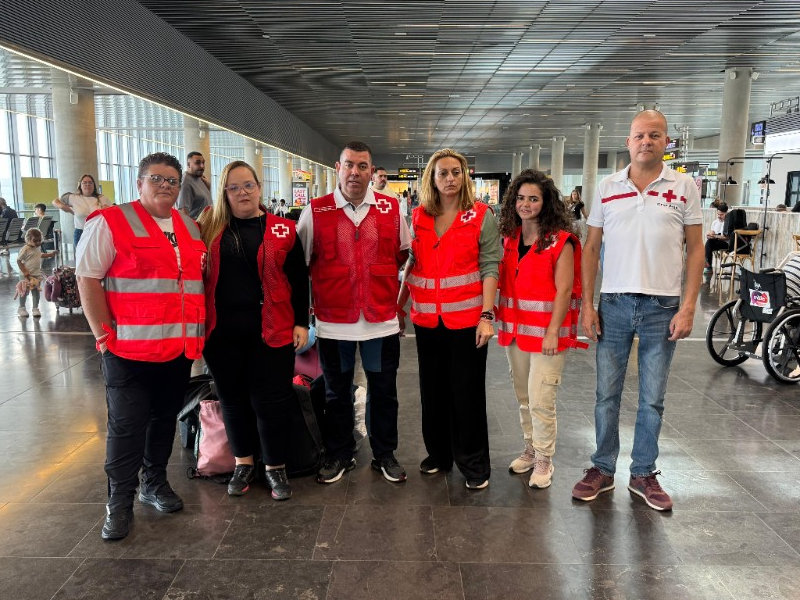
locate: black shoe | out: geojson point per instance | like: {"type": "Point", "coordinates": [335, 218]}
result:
{"type": "Point", "coordinates": [278, 482]}
{"type": "Point", "coordinates": [477, 484]}
{"type": "Point", "coordinates": [243, 476]}
{"type": "Point", "coordinates": [391, 469]}
{"type": "Point", "coordinates": [117, 524]}
{"type": "Point", "coordinates": [429, 466]}
{"type": "Point", "coordinates": [164, 500]}
{"type": "Point", "coordinates": [334, 469]}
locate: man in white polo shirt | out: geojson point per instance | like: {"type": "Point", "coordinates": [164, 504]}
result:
{"type": "Point", "coordinates": [643, 215]}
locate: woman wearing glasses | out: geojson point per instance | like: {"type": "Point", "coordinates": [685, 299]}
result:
{"type": "Point", "coordinates": [83, 203]}
{"type": "Point", "coordinates": [256, 285]}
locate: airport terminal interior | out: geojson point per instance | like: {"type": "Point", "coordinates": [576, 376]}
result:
{"type": "Point", "coordinates": [510, 85]}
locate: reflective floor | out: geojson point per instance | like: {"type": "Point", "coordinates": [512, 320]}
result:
{"type": "Point", "coordinates": [730, 455]}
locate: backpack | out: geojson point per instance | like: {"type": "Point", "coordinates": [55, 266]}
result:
{"type": "Point", "coordinates": [52, 288]}
{"type": "Point", "coordinates": [199, 388]}
{"type": "Point", "coordinates": [203, 430]}
{"type": "Point", "coordinates": [305, 454]}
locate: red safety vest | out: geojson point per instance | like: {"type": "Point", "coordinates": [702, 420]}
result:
{"type": "Point", "coordinates": [157, 306]}
{"type": "Point", "coordinates": [528, 290]}
{"type": "Point", "coordinates": [277, 314]}
{"type": "Point", "coordinates": [355, 269]}
{"type": "Point", "coordinates": [445, 279]}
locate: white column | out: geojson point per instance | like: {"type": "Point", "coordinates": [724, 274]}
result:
{"type": "Point", "coordinates": [75, 141]}
{"type": "Point", "coordinates": [533, 158]}
{"type": "Point", "coordinates": [250, 154]}
{"type": "Point", "coordinates": [516, 164]}
{"type": "Point", "coordinates": [285, 176]}
{"type": "Point", "coordinates": [611, 160]}
{"type": "Point", "coordinates": [332, 182]}
{"type": "Point", "coordinates": [733, 129]}
{"type": "Point", "coordinates": [196, 139]}
{"type": "Point", "coordinates": [591, 154]}
{"type": "Point", "coordinates": [316, 185]}
{"type": "Point", "coordinates": [557, 160]}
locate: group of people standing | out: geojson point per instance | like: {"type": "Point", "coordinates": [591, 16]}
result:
{"type": "Point", "coordinates": [160, 290]}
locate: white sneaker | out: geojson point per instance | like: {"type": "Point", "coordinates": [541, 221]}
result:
{"type": "Point", "coordinates": [542, 475]}
{"type": "Point", "coordinates": [35, 312]}
{"type": "Point", "coordinates": [22, 312]}
{"type": "Point", "coordinates": [525, 462]}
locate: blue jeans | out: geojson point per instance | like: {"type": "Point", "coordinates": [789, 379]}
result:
{"type": "Point", "coordinates": [76, 237]}
{"type": "Point", "coordinates": [621, 317]}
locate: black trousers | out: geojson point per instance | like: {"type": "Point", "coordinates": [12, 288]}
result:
{"type": "Point", "coordinates": [143, 401]}
{"type": "Point", "coordinates": [713, 244]}
{"type": "Point", "coordinates": [254, 384]}
{"type": "Point", "coordinates": [452, 383]}
{"type": "Point", "coordinates": [380, 358]}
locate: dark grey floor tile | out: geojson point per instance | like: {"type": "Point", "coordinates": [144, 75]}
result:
{"type": "Point", "coordinates": [786, 525]}
{"type": "Point", "coordinates": [20, 482]}
{"type": "Point", "coordinates": [45, 530]}
{"type": "Point", "coordinates": [403, 533]}
{"type": "Point", "coordinates": [734, 539]}
{"type": "Point", "coordinates": [775, 426]}
{"type": "Point", "coordinates": [707, 491]}
{"type": "Point", "coordinates": [763, 583]}
{"type": "Point", "coordinates": [712, 427]}
{"type": "Point", "coordinates": [777, 491]}
{"type": "Point", "coordinates": [502, 491]}
{"type": "Point", "coordinates": [272, 531]}
{"type": "Point", "coordinates": [194, 532]}
{"type": "Point", "coordinates": [740, 455]}
{"type": "Point", "coordinates": [76, 483]}
{"type": "Point", "coordinates": [367, 486]}
{"type": "Point", "coordinates": [497, 535]}
{"type": "Point", "coordinates": [678, 582]}
{"type": "Point", "coordinates": [34, 578]}
{"type": "Point", "coordinates": [597, 535]}
{"type": "Point", "coordinates": [505, 581]}
{"type": "Point", "coordinates": [104, 578]}
{"type": "Point", "coordinates": [395, 580]}
{"type": "Point", "coordinates": [251, 579]}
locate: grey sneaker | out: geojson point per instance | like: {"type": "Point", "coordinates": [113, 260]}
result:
{"type": "Point", "coordinates": [334, 469]}
{"type": "Point", "coordinates": [278, 482]}
{"type": "Point", "coordinates": [542, 475]}
{"type": "Point", "coordinates": [525, 462]}
{"type": "Point", "coordinates": [390, 468]}
{"type": "Point", "coordinates": [592, 485]}
{"type": "Point", "coordinates": [243, 476]}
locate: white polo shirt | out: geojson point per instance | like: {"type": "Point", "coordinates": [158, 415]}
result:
{"type": "Point", "coordinates": [643, 233]}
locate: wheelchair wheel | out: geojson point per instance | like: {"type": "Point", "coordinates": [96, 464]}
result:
{"type": "Point", "coordinates": [782, 348]}
{"type": "Point", "coordinates": [721, 333]}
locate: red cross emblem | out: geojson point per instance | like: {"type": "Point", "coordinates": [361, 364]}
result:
{"type": "Point", "coordinates": [468, 216]}
{"type": "Point", "coordinates": [383, 205]}
{"type": "Point", "coordinates": [280, 230]}
{"type": "Point", "coordinates": [669, 196]}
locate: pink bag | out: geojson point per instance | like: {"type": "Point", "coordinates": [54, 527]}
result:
{"type": "Point", "coordinates": [214, 454]}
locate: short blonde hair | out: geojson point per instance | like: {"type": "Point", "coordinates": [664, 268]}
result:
{"type": "Point", "coordinates": [429, 195]}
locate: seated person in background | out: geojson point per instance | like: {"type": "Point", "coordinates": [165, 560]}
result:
{"type": "Point", "coordinates": [781, 208]}
{"type": "Point", "coordinates": [715, 240]}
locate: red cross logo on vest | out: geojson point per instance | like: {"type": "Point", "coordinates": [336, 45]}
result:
{"type": "Point", "coordinates": [669, 196]}
{"type": "Point", "coordinates": [383, 205]}
{"type": "Point", "coordinates": [280, 230]}
{"type": "Point", "coordinates": [468, 216]}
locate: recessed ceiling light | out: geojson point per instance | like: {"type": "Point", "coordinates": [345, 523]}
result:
{"type": "Point", "coordinates": [265, 36]}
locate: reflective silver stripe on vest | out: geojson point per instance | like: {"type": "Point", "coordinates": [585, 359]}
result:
{"type": "Point", "coordinates": [540, 332]}
{"type": "Point", "coordinates": [133, 220]}
{"type": "Point", "coordinates": [424, 307]}
{"type": "Point", "coordinates": [459, 280]}
{"type": "Point", "coordinates": [506, 327]}
{"type": "Point", "coordinates": [475, 302]}
{"type": "Point", "coordinates": [159, 332]}
{"type": "Point", "coordinates": [194, 230]}
{"type": "Point", "coordinates": [574, 303]}
{"type": "Point", "coordinates": [506, 302]}
{"type": "Point", "coordinates": [152, 286]}
{"type": "Point", "coordinates": [127, 285]}
{"type": "Point", "coordinates": [421, 282]}
{"type": "Point", "coordinates": [535, 305]}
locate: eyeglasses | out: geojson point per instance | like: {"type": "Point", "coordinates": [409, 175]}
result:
{"type": "Point", "coordinates": [159, 179]}
{"type": "Point", "coordinates": [248, 187]}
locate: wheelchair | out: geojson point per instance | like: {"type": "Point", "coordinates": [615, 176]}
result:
{"type": "Point", "coordinates": [763, 323]}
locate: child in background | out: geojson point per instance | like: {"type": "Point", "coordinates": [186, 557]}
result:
{"type": "Point", "coordinates": [29, 261]}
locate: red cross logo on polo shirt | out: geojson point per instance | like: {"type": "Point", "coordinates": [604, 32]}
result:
{"type": "Point", "coordinates": [669, 196]}
{"type": "Point", "coordinates": [280, 230]}
{"type": "Point", "coordinates": [467, 216]}
{"type": "Point", "coordinates": [383, 205]}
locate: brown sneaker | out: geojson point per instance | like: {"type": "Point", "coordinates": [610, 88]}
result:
{"type": "Point", "coordinates": [650, 490]}
{"type": "Point", "coordinates": [525, 462]}
{"type": "Point", "coordinates": [542, 475]}
{"type": "Point", "coordinates": [592, 485]}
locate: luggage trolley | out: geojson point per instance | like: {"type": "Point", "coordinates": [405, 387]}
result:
{"type": "Point", "coordinates": [764, 323]}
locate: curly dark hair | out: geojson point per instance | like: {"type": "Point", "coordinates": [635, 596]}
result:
{"type": "Point", "coordinates": [159, 158]}
{"type": "Point", "coordinates": [552, 218]}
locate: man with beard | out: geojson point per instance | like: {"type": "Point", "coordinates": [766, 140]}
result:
{"type": "Point", "coordinates": [195, 192]}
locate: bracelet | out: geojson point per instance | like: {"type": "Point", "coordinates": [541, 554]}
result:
{"type": "Point", "coordinates": [487, 315]}
{"type": "Point", "coordinates": [101, 340]}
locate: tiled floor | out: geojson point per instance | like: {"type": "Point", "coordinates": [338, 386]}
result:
{"type": "Point", "coordinates": [730, 454]}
